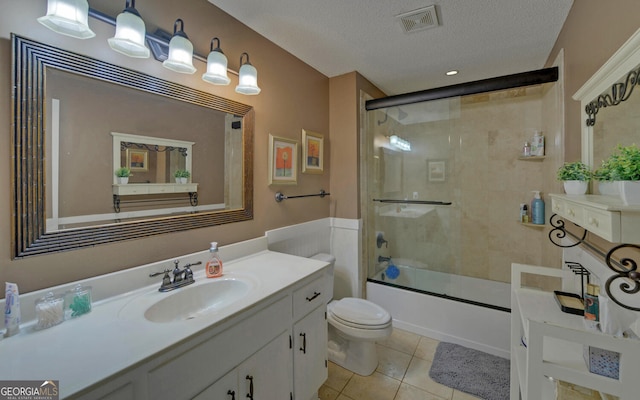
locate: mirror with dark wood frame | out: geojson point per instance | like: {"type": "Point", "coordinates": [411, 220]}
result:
{"type": "Point", "coordinates": [63, 154]}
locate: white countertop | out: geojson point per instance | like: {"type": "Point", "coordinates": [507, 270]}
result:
{"type": "Point", "coordinates": [91, 348]}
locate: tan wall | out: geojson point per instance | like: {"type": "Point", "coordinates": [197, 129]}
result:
{"type": "Point", "coordinates": [593, 31]}
{"type": "Point", "coordinates": [345, 150]}
{"type": "Point", "coordinates": [294, 97]}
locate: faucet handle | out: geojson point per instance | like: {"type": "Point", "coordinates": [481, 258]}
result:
{"type": "Point", "coordinates": [166, 279]}
{"type": "Point", "coordinates": [177, 273]}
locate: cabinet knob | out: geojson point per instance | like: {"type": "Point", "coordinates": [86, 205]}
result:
{"type": "Point", "coordinates": [593, 221]}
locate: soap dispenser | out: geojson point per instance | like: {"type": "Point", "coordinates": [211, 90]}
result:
{"type": "Point", "coordinates": [537, 209]}
{"type": "Point", "coordinates": [214, 265]}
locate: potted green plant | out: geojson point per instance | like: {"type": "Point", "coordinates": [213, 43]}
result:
{"type": "Point", "coordinates": [123, 175]}
{"type": "Point", "coordinates": [625, 166]}
{"type": "Point", "coordinates": [605, 175]}
{"type": "Point", "coordinates": [181, 175]}
{"type": "Point", "coordinates": [575, 176]}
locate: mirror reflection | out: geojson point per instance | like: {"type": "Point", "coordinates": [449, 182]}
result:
{"type": "Point", "coordinates": [90, 114]}
{"type": "Point", "coordinates": [77, 120]}
{"type": "Point", "coordinates": [617, 124]}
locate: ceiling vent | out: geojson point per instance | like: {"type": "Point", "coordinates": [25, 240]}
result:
{"type": "Point", "coordinates": [419, 20]}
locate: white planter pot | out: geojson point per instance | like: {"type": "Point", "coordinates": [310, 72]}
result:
{"type": "Point", "coordinates": [576, 187]}
{"type": "Point", "coordinates": [608, 188]}
{"type": "Point", "coordinates": [123, 180]}
{"type": "Point", "coordinates": [182, 180]}
{"type": "Point", "coordinates": [630, 192]}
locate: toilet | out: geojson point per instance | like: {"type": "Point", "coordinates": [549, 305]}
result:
{"type": "Point", "coordinates": [354, 327]}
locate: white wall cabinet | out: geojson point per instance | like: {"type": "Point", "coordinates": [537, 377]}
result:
{"type": "Point", "coordinates": [554, 345]}
{"type": "Point", "coordinates": [262, 343]}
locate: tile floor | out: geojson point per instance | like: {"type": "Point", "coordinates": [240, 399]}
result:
{"type": "Point", "coordinates": [402, 374]}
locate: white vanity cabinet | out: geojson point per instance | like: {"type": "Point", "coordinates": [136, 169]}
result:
{"type": "Point", "coordinates": [310, 339]}
{"type": "Point", "coordinates": [548, 343]}
{"type": "Point", "coordinates": [274, 351]}
{"type": "Point", "coordinates": [265, 375]}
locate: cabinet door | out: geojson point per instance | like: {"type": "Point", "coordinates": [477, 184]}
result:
{"type": "Point", "coordinates": [225, 388]}
{"type": "Point", "coordinates": [267, 374]}
{"type": "Point", "coordinates": [310, 354]}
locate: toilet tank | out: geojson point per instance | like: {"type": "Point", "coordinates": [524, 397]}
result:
{"type": "Point", "coordinates": [329, 274]}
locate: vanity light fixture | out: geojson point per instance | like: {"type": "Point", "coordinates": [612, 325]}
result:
{"type": "Point", "coordinates": [180, 51]}
{"type": "Point", "coordinates": [400, 143]}
{"type": "Point", "coordinates": [216, 66]}
{"type": "Point", "coordinates": [130, 33]}
{"type": "Point", "coordinates": [68, 17]}
{"type": "Point", "coordinates": [248, 78]}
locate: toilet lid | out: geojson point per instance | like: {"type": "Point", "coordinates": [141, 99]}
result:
{"type": "Point", "coordinates": [359, 312]}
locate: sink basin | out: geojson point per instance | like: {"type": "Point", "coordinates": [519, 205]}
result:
{"type": "Point", "coordinates": [200, 299]}
{"type": "Point", "coordinates": [406, 211]}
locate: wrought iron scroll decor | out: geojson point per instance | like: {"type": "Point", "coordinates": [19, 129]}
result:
{"type": "Point", "coordinates": [620, 91]}
{"type": "Point", "coordinates": [153, 147]}
{"type": "Point", "coordinates": [627, 270]}
{"type": "Point", "coordinates": [559, 232]}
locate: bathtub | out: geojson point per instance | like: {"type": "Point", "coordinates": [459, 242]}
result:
{"type": "Point", "coordinates": [468, 311]}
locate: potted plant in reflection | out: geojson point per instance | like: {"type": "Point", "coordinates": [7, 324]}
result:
{"type": "Point", "coordinates": [575, 176]}
{"type": "Point", "coordinates": [182, 175]}
{"type": "Point", "coordinates": [625, 166]}
{"type": "Point", "coordinates": [605, 175]}
{"type": "Point", "coordinates": [123, 175]}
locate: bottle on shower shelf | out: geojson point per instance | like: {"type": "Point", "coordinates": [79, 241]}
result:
{"type": "Point", "coordinates": [537, 209]}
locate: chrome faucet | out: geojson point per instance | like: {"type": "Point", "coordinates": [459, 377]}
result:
{"type": "Point", "coordinates": [181, 277]}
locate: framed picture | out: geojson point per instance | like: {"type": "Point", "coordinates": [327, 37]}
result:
{"type": "Point", "coordinates": [138, 160]}
{"type": "Point", "coordinates": [437, 171]}
{"type": "Point", "coordinates": [283, 161]}
{"type": "Point", "coordinates": [312, 152]}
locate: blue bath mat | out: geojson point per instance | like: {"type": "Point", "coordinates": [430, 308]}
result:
{"type": "Point", "coordinates": [471, 371]}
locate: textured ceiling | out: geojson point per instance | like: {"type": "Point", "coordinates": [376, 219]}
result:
{"type": "Point", "coordinates": [480, 38]}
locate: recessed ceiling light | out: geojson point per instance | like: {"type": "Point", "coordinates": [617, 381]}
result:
{"type": "Point", "coordinates": [452, 72]}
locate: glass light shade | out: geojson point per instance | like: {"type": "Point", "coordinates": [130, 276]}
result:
{"type": "Point", "coordinates": [130, 36]}
{"type": "Point", "coordinates": [400, 143]}
{"type": "Point", "coordinates": [180, 56]}
{"type": "Point", "coordinates": [248, 80]}
{"type": "Point", "coordinates": [216, 69]}
{"type": "Point", "coordinates": [68, 17]}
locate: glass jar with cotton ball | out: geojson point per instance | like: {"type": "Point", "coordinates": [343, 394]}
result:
{"type": "Point", "coordinates": [49, 311]}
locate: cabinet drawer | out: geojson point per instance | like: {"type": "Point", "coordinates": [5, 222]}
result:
{"type": "Point", "coordinates": [557, 206]}
{"type": "Point", "coordinates": [126, 190]}
{"type": "Point", "coordinates": [604, 224]}
{"type": "Point", "coordinates": [309, 297]}
{"type": "Point", "coordinates": [573, 212]}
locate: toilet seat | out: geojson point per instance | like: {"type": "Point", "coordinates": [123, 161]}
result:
{"type": "Point", "coordinates": [359, 314]}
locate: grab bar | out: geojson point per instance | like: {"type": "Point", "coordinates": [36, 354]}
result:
{"type": "Point", "coordinates": [281, 196]}
{"type": "Point", "coordinates": [437, 203]}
